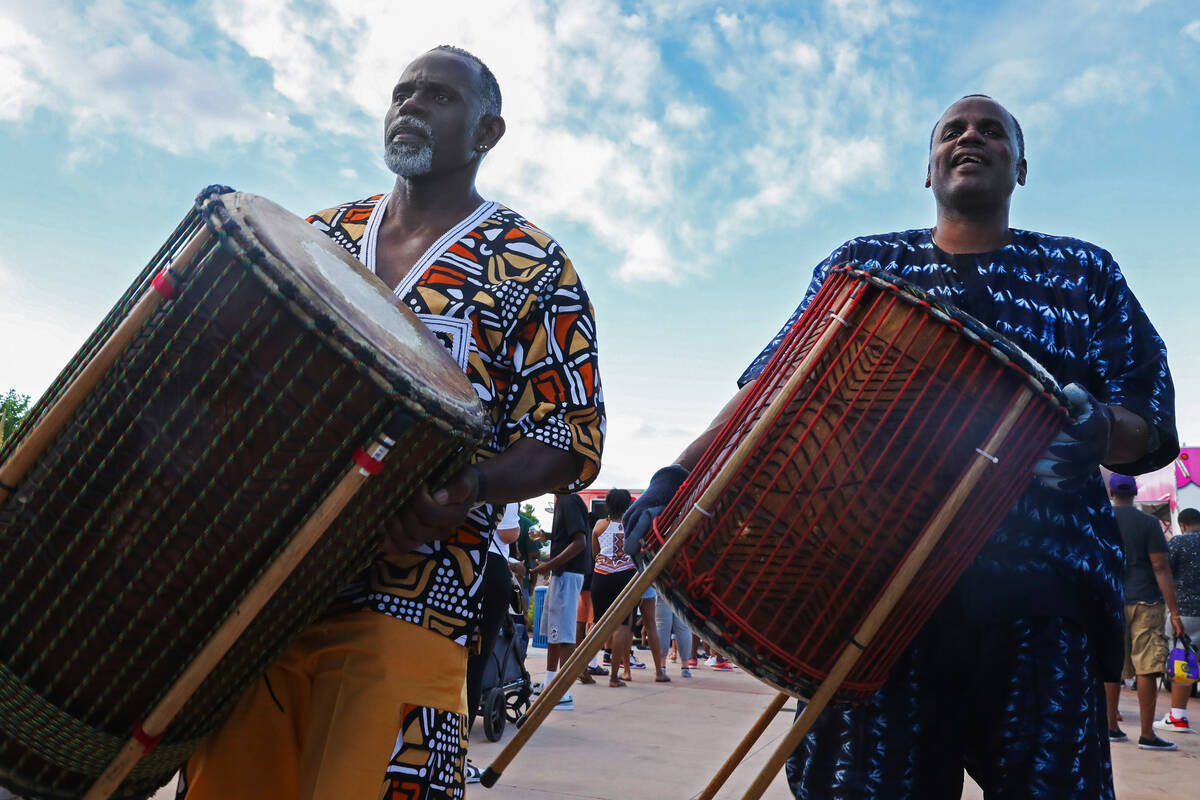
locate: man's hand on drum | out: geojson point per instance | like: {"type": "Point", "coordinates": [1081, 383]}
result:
{"type": "Point", "coordinates": [1078, 449]}
{"type": "Point", "coordinates": [528, 468]}
{"type": "Point", "coordinates": [427, 516]}
{"type": "Point", "coordinates": [662, 487]}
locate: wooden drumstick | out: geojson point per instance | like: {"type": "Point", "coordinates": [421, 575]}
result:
{"type": "Point", "coordinates": [44, 432]}
{"type": "Point", "coordinates": [632, 594]}
{"type": "Point", "coordinates": [735, 758]}
{"type": "Point", "coordinates": [899, 583]}
{"type": "Point", "coordinates": [156, 722]}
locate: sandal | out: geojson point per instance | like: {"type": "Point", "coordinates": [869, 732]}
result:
{"type": "Point", "coordinates": [586, 678]}
{"type": "Point", "coordinates": [661, 677]}
{"type": "Point", "coordinates": [616, 682]}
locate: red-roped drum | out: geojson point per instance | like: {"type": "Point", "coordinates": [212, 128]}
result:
{"type": "Point", "coordinates": [186, 473]}
{"type": "Point", "coordinates": [850, 442]}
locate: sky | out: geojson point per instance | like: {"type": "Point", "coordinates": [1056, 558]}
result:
{"type": "Point", "coordinates": [694, 159]}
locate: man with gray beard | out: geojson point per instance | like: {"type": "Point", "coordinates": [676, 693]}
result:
{"type": "Point", "coordinates": [369, 701]}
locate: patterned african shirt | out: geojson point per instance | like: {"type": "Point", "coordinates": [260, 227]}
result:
{"type": "Point", "coordinates": [1066, 303]}
{"type": "Point", "coordinates": [505, 301]}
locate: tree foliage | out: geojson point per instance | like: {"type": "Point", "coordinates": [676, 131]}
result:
{"type": "Point", "coordinates": [527, 511]}
{"type": "Point", "coordinates": [13, 407]}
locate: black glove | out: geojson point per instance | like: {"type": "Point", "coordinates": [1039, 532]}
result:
{"type": "Point", "coordinates": [1075, 453]}
{"type": "Point", "coordinates": [638, 517]}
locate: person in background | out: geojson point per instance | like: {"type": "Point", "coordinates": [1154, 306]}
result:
{"type": "Point", "coordinates": [566, 568]}
{"type": "Point", "coordinates": [493, 600]}
{"type": "Point", "coordinates": [1183, 556]}
{"type": "Point", "coordinates": [613, 571]}
{"type": "Point", "coordinates": [1149, 594]}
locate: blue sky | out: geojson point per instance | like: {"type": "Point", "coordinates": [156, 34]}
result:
{"type": "Point", "coordinates": [694, 159]}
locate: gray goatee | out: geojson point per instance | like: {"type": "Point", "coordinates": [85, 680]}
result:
{"type": "Point", "coordinates": [406, 159]}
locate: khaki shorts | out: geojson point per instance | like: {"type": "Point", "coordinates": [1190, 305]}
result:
{"type": "Point", "coordinates": [1145, 643]}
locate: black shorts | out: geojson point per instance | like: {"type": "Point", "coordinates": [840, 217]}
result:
{"type": "Point", "coordinates": [606, 587]}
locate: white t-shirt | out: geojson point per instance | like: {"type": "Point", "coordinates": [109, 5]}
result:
{"type": "Point", "coordinates": [509, 520]}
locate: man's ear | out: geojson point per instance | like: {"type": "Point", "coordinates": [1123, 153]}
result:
{"type": "Point", "coordinates": [491, 128]}
{"type": "Point", "coordinates": [1022, 170]}
{"type": "Point", "coordinates": [928, 177]}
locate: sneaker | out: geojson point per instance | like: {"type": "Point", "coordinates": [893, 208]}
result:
{"type": "Point", "coordinates": [1173, 724]}
{"type": "Point", "coordinates": [1117, 735]}
{"type": "Point", "coordinates": [722, 666]}
{"type": "Point", "coordinates": [597, 670]}
{"type": "Point", "coordinates": [567, 703]}
{"type": "Point", "coordinates": [685, 672]}
{"type": "Point", "coordinates": [607, 660]}
{"type": "Point", "coordinates": [712, 660]}
{"type": "Point", "coordinates": [473, 773]}
{"type": "Point", "coordinates": [1155, 744]}
{"type": "Point", "coordinates": [633, 662]}
{"type": "Point", "coordinates": [536, 687]}
{"type": "Point", "coordinates": [692, 663]}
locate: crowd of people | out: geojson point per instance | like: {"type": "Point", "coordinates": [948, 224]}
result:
{"type": "Point", "coordinates": [1032, 633]}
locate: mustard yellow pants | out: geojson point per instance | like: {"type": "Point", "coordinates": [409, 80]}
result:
{"type": "Point", "coordinates": [360, 705]}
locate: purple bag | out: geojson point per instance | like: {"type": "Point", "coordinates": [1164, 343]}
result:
{"type": "Point", "coordinates": [1182, 664]}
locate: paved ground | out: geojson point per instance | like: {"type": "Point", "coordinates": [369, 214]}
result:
{"type": "Point", "coordinates": [663, 741]}
{"type": "Point", "coordinates": [652, 741]}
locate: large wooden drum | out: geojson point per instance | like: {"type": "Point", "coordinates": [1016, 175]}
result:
{"type": "Point", "coordinates": [862, 427]}
{"type": "Point", "coordinates": [187, 470]}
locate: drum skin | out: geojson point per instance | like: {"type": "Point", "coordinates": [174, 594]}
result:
{"type": "Point", "coordinates": [884, 399]}
{"type": "Point", "coordinates": [222, 426]}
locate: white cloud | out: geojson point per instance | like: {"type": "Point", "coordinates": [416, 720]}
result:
{"type": "Point", "coordinates": [768, 114]}
{"type": "Point", "coordinates": [685, 115]}
{"type": "Point", "coordinates": [130, 83]}
{"type": "Point", "coordinates": [1192, 30]}
{"type": "Point", "coordinates": [862, 17]}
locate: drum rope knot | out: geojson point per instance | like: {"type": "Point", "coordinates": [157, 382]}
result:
{"type": "Point", "coordinates": [702, 584]}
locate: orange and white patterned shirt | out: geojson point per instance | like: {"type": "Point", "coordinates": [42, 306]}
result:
{"type": "Point", "coordinates": [506, 301]}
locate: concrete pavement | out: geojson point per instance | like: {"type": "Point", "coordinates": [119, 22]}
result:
{"type": "Point", "coordinates": [664, 741]}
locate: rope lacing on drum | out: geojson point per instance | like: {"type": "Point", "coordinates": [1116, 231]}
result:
{"type": "Point", "coordinates": [700, 585]}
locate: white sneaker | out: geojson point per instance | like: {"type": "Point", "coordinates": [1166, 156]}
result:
{"type": "Point", "coordinates": [1173, 724]}
{"type": "Point", "coordinates": [567, 703]}
{"type": "Point", "coordinates": [712, 660]}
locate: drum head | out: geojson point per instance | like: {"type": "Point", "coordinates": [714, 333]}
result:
{"type": "Point", "coordinates": [327, 282]}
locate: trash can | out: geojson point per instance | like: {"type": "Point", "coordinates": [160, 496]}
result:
{"type": "Point", "coordinates": [539, 602]}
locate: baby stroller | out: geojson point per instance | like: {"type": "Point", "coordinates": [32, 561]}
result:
{"type": "Point", "coordinates": [506, 684]}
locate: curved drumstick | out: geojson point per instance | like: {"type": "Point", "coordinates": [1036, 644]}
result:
{"type": "Point", "coordinates": [904, 575]}
{"type": "Point", "coordinates": [634, 590]}
{"type": "Point", "coordinates": [14, 470]}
